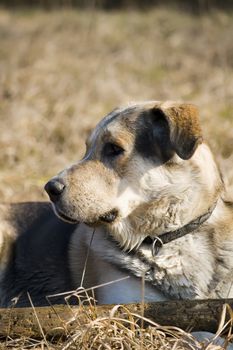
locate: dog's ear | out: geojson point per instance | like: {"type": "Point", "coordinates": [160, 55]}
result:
{"type": "Point", "coordinates": [184, 127]}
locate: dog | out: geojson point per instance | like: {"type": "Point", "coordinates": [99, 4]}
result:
{"type": "Point", "coordinates": [146, 202]}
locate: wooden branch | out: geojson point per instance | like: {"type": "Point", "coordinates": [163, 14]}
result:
{"type": "Point", "coordinates": [59, 320]}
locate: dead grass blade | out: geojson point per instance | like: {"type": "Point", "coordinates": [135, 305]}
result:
{"type": "Point", "coordinates": [38, 321]}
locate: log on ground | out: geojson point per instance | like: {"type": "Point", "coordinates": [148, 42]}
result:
{"type": "Point", "coordinates": [60, 320]}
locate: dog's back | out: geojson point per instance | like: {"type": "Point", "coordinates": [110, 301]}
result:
{"type": "Point", "coordinates": [36, 261]}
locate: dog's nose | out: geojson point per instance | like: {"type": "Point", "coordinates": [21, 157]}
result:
{"type": "Point", "coordinates": [54, 188]}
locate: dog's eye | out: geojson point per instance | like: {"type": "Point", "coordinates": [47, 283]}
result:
{"type": "Point", "coordinates": [112, 150]}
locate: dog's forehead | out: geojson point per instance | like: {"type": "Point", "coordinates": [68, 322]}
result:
{"type": "Point", "coordinates": [119, 119]}
{"type": "Point", "coordinates": [112, 122]}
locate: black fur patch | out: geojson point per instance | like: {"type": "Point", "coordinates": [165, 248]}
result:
{"type": "Point", "coordinates": [153, 136]}
{"type": "Point", "coordinates": [39, 261]}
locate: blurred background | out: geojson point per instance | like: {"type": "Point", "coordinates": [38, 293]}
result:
{"type": "Point", "coordinates": [64, 64]}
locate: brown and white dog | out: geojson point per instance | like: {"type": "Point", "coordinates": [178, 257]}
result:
{"type": "Point", "coordinates": [150, 189]}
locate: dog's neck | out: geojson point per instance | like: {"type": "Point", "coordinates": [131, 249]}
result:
{"type": "Point", "coordinates": [167, 237]}
{"type": "Point", "coordinates": [167, 225]}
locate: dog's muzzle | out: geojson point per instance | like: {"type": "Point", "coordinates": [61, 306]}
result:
{"type": "Point", "coordinates": [55, 189]}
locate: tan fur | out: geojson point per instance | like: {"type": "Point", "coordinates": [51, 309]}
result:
{"type": "Point", "coordinates": [186, 118]}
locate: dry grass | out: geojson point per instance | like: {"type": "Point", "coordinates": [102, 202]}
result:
{"type": "Point", "coordinates": [95, 329]}
{"type": "Point", "coordinates": [60, 72]}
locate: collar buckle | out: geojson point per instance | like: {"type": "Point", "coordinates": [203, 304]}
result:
{"type": "Point", "coordinates": [156, 245]}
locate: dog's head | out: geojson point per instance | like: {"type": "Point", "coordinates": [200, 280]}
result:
{"type": "Point", "coordinates": [145, 171]}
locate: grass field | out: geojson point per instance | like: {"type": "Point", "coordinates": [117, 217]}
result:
{"type": "Point", "coordinates": [60, 72]}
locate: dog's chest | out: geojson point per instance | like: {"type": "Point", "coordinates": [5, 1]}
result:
{"type": "Point", "coordinates": [182, 269]}
{"type": "Point", "coordinates": [167, 271]}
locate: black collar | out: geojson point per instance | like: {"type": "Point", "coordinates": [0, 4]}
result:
{"type": "Point", "coordinates": [158, 241]}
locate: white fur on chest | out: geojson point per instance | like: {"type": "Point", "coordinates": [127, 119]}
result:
{"type": "Point", "coordinates": [183, 268]}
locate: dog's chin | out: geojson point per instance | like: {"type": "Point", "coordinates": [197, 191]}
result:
{"type": "Point", "coordinates": [107, 218]}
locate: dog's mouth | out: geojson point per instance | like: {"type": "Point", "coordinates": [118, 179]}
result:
{"type": "Point", "coordinates": [108, 218]}
{"type": "Point", "coordinates": [65, 217]}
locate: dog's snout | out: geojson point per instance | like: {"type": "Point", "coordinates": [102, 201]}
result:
{"type": "Point", "coordinates": [54, 188]}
